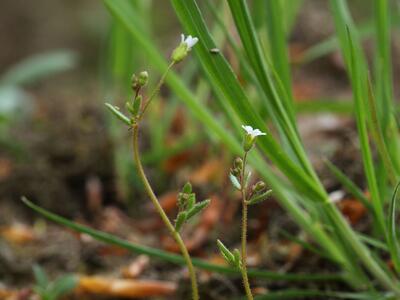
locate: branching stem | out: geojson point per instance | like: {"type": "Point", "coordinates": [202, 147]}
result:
{"type": "Point", "coordinates": [136, 157]}
{"type": "Point", "coordinates": [157, 89]}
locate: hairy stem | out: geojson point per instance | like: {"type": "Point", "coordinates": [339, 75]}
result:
{"type": "Point", "coordinates": [243, 267]}
{"type": "Point", "coordinates": [164, 217]}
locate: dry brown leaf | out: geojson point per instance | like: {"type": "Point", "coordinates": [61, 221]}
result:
{"type": "Point", "coordinates": [211, 170]}
{"type": "Point", "coordinates": [5, 168]}
{"type": "Point", "coordinates": [296, 53]}
{"type": "Point", "coordinates": [175, 162]}
{"type": "Point", "coordinates": [18, 233]}
{"type": "Point", "coordinates": [304, 90]}
{"type": "Point", "coordinates": [353, 209]}
{"type": "Point", "coordinates": [125, 288]}
{"type": "Point", "coordinates": [94, 194]}
{"type": "Point", "coordinates": [10, 294]}
{"type": "Point", "coordinates": [110, 250]}
{"type": "Point", "coordinates": [136, 267]}
{"type": "Point", "coordinates": [167, 202]}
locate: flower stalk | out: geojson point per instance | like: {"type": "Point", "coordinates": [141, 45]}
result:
{"type": "Point", "coordinates": [174, 232]}
{"type": "Point", "coordinates": [243, 253]}
{"type": "Point", "coordinates": [188, 207]}
{"type": "Point", "coordinates": [256, 194]}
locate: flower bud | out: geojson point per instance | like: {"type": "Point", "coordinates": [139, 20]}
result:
{"type": "Point", "coordinates": [184, 47]}
{"type": "Point", "coordinates": [259, 187]}
{"type": "Point", "coordinates": [134, 82]}
{"type": "Point", "coordinates": [235, 172]}
{"type": "Point", "coordinates": [139, 81]}
{"type": "Point", "coordinates": [187, 188]}
{"type": "Point", "coordinates": [248, 142]}
{"type": "Point", "coordinates": [238, 163]}
{"type": "Point", "coordinates": [143, 78]}
{"type": "Point", "coordinates": [180, 53]}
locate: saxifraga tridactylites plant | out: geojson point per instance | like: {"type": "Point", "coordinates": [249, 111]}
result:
{"type": "Point", "coordinates": [188, 207]}
{"type": "Point", "coordinates": [257, 193]}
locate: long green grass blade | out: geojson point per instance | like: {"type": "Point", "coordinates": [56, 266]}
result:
{"type": "Point", "coordinates": [39, 66]}
{"type": "Point", "coordinates": [357, 69]}
{"type": "Point", "coordinates": [317, 294]}
{"type": "Point", "coordinates": [278, 45]}
{"type": "Point", "coordinates": [393, 240]}
{"type": "Point", "coordinates": [169, 257]}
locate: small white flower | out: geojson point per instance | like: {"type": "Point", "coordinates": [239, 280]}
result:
{"type": "Point", "coordinates": [189, 41]}
{"type": "Point", "coordinates": [253, 132]}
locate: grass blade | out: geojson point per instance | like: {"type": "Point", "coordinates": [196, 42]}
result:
{"type": "Point", "coordinates": [173, 258]}
{"type": "Point", "coordinates": [393, 241]}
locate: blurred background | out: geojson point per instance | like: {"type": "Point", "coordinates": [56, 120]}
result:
{"type": "Point", "coordinates": [61, 60]}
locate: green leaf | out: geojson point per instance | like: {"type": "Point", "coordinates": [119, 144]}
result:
{"type": "Point", "coordinates": [187, 188]}
{"type": "Point", "coordinates": [238, 260]}
{"type": "Point", "coordinates": [180, 219]}
{"type": "Point", "coordinates": [259, 198]}
{"type": "Point", "coordinates": [226, 254]}
{"type": "Point", "coordinates": [40, 277]}
{"type": "Point", "coordinates": [115, 111]}
{"type": "Point", "coordinates": [235, 181]}
{"type": "Point", "coordinates": [393, 241]}
{"type": "Point", "coordinates": [173, 258]}
{"type": "Point", "coordinates": [197, 208]}
{"type": "Point", "coordinates": [62, 286]}
{"type": "Point", "coordinates": [39, 66]}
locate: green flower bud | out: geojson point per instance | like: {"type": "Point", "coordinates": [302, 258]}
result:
{"type": "Point", "coordinates": [250, 137]}
{"type": "Point", "coordinates": [248, 142]}
{"type": "Point", "coordinates": [259, 187]}
{"type": "Point", "coordinates": [135, 82]}
{"type": "Point", "coordinates": [238, 163]}
{"type": "Point", "coordinates": [143, 78]}
{"type": "Point", "coordinates": [187, 188]}
{"type": "Point", "coordinates": [180, 53]}
{"type": "Point", "coordinates": [184, 47]}
{"type": "Point", "coordinates": [235, 172]}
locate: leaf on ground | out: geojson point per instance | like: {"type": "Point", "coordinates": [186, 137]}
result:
{"type": "Point", "coordinates": [175, 162]}
{"type": "Point", "coordinates": [136, 268]}
{"type": "Point", "coordinates": [167, 201]}
{"type": "Point", "coordinates": [353, 209]}
{"type": "Point", "coordinates": [111, 250]}
{"type": "Point", "coordinates": [18, 233]}
{"type": "Point", "coordinates": [126, 288]}
{"type": "Point", "coordinates": [212, 170]}
{"type": "Point", "coordinates": [6, 168]}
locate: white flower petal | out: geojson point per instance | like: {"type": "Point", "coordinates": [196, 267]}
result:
{"type": "Point", "coordinates": [253, 132]}
{"type": "Point", "coordinates": [189, 41]}
{"type": "Point", "coordinates": [247, 128]}
{"type": "Point", "coordinates": [192, 42]}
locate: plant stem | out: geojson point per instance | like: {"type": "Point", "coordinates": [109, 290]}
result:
{"type": "Point", "coordinates": [157, 89]}
{"type": "Point", "coordinates": [243, 267]}
{"type": "Point", "coordinates": [164, 217]}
